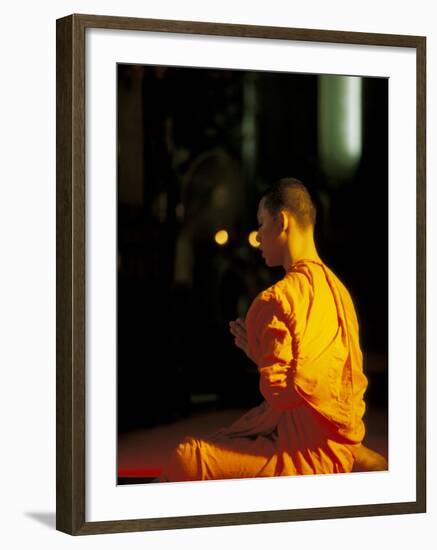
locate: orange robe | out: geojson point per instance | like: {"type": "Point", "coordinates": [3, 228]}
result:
{"type": "Point", "coordinates": [303, 335]}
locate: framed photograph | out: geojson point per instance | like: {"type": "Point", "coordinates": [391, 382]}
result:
{"type": "Point", "coordinates": [241, 274]}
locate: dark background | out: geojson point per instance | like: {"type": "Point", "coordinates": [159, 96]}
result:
{"type": "Point", "coordinates": [196, 148]}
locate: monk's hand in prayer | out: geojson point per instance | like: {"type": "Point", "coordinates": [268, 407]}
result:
{"type": "Point", "coordinates": [238, 330]}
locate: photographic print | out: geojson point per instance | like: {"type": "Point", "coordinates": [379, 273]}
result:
{"type": "Point", "coordinates": [199, 151]}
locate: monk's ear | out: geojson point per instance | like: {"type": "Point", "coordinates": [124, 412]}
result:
{"type": "Point", "coordinates": [284, 220]}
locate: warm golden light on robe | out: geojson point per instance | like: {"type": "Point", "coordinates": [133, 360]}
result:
{"type": "Point", "coordinates": [303, 335]}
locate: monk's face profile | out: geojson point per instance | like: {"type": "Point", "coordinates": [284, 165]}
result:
{"type": "Point", "coordinates": [270, 236]}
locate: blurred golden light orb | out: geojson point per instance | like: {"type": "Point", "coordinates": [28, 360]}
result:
{"type": "Point", "coordinates": [221, 237]}
{"type": "Point", "coordinates": [252, 239]}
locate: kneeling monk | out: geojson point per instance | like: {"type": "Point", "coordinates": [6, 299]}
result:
{"type": "Point", "coordinates": [302, 333]}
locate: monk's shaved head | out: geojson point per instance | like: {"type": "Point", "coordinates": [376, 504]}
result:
{"type": "Point", "coordinates": [291, 194]}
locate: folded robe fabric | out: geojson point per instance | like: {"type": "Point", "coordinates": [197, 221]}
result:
{"type": "Point", "coordinates": [303, 335]}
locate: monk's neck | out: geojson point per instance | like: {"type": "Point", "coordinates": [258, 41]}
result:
{"type": "Point", "coordinates": [299, 252]}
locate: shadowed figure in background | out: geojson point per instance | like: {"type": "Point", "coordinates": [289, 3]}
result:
{"type": "Point", "coordinates": [302, 333]}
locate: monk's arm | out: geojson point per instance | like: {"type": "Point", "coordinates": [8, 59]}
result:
{"type": "Point", "coordinates": [272, 344]}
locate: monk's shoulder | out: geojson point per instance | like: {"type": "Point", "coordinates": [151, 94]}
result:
{"type": "Point", "coordinates": [296, 288]}
{"type": "Point", "coordinates": [285, 294]}
{"type": "Point", "coordinates": [270, 300]}
{"type": "Point", "coordinates": [268, 297]}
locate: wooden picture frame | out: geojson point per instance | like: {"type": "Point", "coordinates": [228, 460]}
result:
{"type": "Point", "coordinates": [71, 276]}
